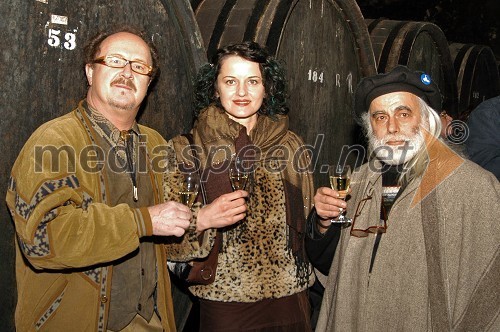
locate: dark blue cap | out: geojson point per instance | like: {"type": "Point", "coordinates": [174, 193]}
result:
{"type": "Point", "coordinates": [398, 79]}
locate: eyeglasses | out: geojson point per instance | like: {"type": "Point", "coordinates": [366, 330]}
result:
{"type": "Point", "coordinates": [375, 229]}
{"type": "Point", "coordinates": [116, 61]}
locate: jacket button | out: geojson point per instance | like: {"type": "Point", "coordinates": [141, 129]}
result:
{"type": "Point", "coordinates": [139, 307]}
{"type": "Point", "coordinates": [104, 299]}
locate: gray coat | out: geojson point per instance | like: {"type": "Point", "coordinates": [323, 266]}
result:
{"type": "Point", "coordinates": [452, 283]}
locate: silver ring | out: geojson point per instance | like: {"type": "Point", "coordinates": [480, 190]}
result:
{"type": "Point", "coordinates": [341, 210]}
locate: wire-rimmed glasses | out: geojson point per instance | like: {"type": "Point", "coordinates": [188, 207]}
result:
{"type": "Point", "coordinates": [375, 229]}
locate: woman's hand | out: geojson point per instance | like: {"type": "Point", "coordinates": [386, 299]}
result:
{"type": "Point", "coordinates": [224, 211]}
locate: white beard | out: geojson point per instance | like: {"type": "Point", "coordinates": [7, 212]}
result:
{"type": "Point", "coordinates": [400, 154]}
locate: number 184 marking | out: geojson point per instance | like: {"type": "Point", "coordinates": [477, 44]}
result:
{"type": "Point", "coordinates": [315, 76]}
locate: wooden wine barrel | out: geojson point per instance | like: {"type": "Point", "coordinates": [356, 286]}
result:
{"type": "Point", "coordinates": [326, 48]}
{"type": "Point", "coordinates": [42, 65]}
{"type": "Point", "coordinates": [419, 46]}
{"type": "Point", "coordinates": [477, 75]}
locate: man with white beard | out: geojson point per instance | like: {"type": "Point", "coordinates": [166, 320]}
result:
{"type": "Point", "coordinates": [422, 252]}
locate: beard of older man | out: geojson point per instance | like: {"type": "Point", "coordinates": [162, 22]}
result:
{"type": "Point", "coordinates": [400, 154]}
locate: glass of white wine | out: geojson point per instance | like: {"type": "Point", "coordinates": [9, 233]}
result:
{"type": "Point", "coordinates": [189, 188]}
{"type": "Point", "coordinates": [238, 174]}
{"type": "Point", "coordinates": [340, 180]}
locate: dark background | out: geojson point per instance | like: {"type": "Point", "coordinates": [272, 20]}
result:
{"type": "Point", "coordinates": [462, 21]}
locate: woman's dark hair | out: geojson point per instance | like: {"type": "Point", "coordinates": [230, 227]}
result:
{"type": "Point", "coordinates": [93, 46]}
{"type": "Point", "coordinates": [273, 75]}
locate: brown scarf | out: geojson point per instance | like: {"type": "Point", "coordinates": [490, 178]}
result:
{"type": "Point", "coordinates": [221, 138]}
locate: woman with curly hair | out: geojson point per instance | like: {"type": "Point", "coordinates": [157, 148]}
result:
{"type": "Point", "coordinates": [262, 273]}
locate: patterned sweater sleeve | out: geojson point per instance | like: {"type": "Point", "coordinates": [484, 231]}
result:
{"type": "Point", "coordinates": [52, 199]}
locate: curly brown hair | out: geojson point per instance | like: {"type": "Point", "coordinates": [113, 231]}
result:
{"type": "Point", "coordinates": [273, 72]}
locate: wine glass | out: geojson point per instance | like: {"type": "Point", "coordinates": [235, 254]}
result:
{"type": "Point", "coordinates": [189, 188]}
{"type": "Point", "coordinates": [238, 174]}
{"type": "Point", "coordinates": [340, 180]}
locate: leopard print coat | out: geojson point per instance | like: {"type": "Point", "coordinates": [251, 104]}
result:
{"type": "Point", "coordinates": [256, 261]}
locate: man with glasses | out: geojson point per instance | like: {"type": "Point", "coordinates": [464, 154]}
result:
{"type": "Point", "coordinates": [86, 201]}
{"type": "Point", "coordinates": [422, 251]}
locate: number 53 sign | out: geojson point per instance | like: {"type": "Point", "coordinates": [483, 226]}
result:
{"type": "Point", "coordinates": [68, 41]}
